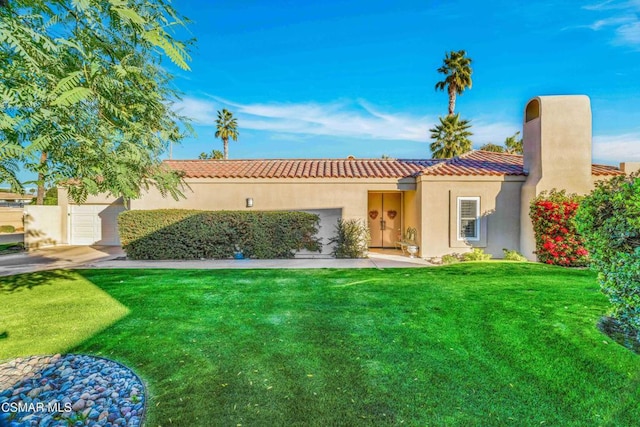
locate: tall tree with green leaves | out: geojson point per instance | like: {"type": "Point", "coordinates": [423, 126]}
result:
{"type": "Point", "coordinates": [494, 148]}
{"type": "Point", "coordinates": [9, 167]}
{"type": "Point", "coordinates": [513, 144]}
{"type": "Point", "coordinates": [227, 127]}
{"type": "Point", "coordinates": [85, 100]}
{"type": "Point", "coordinates": [451, 137]}
{"type": "Point", "coordinates": [214, 155]}
{"type": "Point", "coordinates": [457, 69]}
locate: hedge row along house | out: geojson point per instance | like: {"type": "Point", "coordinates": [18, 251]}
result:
{"type": "Point", "coordinates": [477, 200]}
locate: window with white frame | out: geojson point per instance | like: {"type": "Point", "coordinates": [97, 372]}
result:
{"type": "Point", "coordinates": [469, 218]}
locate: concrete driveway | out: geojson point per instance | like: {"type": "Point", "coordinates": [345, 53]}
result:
{"type": "Point", "coordinates": [56, 257]}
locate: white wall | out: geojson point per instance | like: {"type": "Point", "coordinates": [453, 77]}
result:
{"type": "Point", "coordinates": [42, 226]}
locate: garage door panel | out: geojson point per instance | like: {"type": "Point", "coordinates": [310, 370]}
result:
{"type": "Point", "coordinates": [94, 224]}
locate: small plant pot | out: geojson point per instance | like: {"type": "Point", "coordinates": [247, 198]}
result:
{"type": "Point", "coordinates": [238, 255]}
{"type": "Point", "coordinates": [413, 250]}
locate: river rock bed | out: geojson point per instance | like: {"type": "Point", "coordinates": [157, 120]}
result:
{"type": "Point", "coordinates": [69, 390]}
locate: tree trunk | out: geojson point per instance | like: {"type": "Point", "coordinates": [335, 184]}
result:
{"type": "Point", "coordinates": [225, 143]}
{"type": "Point", "coordinates": [452, 99]}
{"type": "Point", "coordinates": [41, 178]}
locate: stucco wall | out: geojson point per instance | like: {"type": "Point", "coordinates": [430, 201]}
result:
{"type": "Point", "coordinates": [499, 210]}
{"type": "Point", "coordinates": [274, 194]}
{"type": "Point", "coordinates": [12, 216]}
{"type": "Point", "coordinates": [411, 210]}
{"type": "Point", "coordinates": [42, 226]}
{"type": "Point", "coordinates": [350, 198]}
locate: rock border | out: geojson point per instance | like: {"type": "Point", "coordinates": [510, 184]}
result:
{"type": "Point", "coordinates": [70, 389]}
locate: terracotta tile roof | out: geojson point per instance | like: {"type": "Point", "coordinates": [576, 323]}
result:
{"type": "Point", "coordinates": [300, 168]}
{"type": "Point", "coordinates": [604, 170]}
{"type": "Point", "coordinates": [474, 163]}
{"type": "Point", "coordinates": [479, 163]}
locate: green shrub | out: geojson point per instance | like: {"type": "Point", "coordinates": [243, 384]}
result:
{"type": "Point", "coordinates": [511, 255]}
{"type": "Point", "coordinates": [351, 239]}
{"type": "Point", "coordinates": [609, 221]}
{"type": "Point", "coordinates": [191, 234]}
{"type": "Point", "coordinates": [7, 229]}
{"type": "Point", "coordinates": [450, 259]}
{"type": "Point", "coordinates": [51, 197]}
{"type": "Point", "coordinates": [476, 254]}
{"type": "Point", "coordinates": [557, 240]}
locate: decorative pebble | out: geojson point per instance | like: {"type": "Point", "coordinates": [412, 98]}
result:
{"type": "Point", "coordinates": [73, 390]}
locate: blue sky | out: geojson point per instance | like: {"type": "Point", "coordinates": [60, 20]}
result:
{"type": "Point", "coordinates": [332, 79]}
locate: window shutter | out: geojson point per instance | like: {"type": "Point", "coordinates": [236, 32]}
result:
{"type": "Point", "coordinates": [468, 217]}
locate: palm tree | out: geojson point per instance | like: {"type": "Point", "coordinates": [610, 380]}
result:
{"type": "Point", "coordinates": [227, 127]}
{"type": "Point", "coordinates": [451, 137]}
{"type": "Point", "coordinates": [457, 68]}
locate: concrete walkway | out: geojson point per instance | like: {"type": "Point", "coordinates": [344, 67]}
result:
{"type": "Point", "coordinates": [65, 257]}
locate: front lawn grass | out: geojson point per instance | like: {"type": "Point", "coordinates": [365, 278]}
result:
{"type": "Point", "coordinates": [467, 344]}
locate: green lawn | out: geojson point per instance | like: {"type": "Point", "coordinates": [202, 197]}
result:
{"type": "Point", "coordinates": [468, 344]}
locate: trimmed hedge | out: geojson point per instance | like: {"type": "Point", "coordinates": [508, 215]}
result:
{"type": "Point", "coordinates": [192, 234]}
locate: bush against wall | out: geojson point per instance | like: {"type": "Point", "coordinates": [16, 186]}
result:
{"type": "Point", "coordinates": [609, 220]}
{"type": "Point", "coordinates": [191, 234]}
{"type": "Point", "coordinates": [557, 240]}
{"type": "Point", "coordinates": [7, 229]}
{"type": "Point", "coordinates": [351, 239]}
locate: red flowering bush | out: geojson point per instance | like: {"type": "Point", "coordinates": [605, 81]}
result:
{"type": "Point", "coordinates": [557, 240]}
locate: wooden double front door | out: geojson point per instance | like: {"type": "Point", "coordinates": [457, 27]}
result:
{"type": "Point", "coordinates": [385, 219]}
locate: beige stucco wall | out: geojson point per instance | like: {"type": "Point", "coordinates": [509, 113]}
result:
{"type": "Point", "coordinates": [42, 226]}
{"type": "Point", "coordinates": [275, 194]}
{"type": "Point", "coordinates": [411, 211]}
{"type": "Point", "coordinates": [557, 153]}
{"type": "Point", "coordinates": [499, 210]}
{"type": "Point", "coordinates": [12, 216]}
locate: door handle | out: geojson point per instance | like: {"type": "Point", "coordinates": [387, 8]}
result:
{"type": "Point", "coordinates": [383, 225]}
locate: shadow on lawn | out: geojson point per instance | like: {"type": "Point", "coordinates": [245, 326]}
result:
{"type": "Point", "coordinates": [10, 284]}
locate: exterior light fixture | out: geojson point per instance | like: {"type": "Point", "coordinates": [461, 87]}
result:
{"type": "Point", "coordinates": [249, 202]}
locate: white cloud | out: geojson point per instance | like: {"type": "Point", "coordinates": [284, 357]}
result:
{"type": "Point", "coordinates": [617, 148]}
{"type": "Point", "coordinates": [614, 5]}
{"type": "Point", "coordinates": [613, 21]}
{"type": "Point", "coordinates": [485, 130]}
{"type": "Point", "coordinates": [340, 119]}
{"type": "Point", "coordinates": [625, 21]}
{"type": "Point", "coordinates": [629, 34]}
{"type": "Point", "coordinates": [200, 111]}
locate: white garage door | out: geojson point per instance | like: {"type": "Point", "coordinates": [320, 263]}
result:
{"type": "Point", "coordinates": [94, 224]}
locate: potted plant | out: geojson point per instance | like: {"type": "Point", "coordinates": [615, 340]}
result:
{"type": "Point", "coordinates": [237, 252]}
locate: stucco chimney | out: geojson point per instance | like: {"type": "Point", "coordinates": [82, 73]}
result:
{"type": "Point", "coordinates": [557, 153]}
